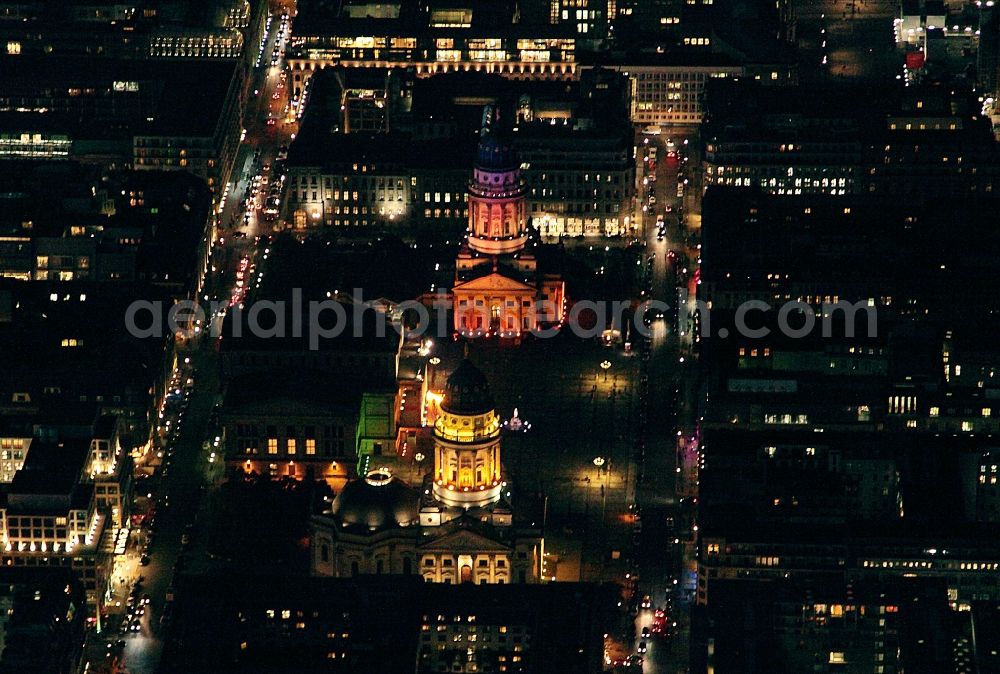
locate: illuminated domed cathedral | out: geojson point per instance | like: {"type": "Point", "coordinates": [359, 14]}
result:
{"type": "Point", "coordinates": [467, 469]}
{"type": "Point", "coordinates": [499, 289]}
{"type": "Point", "coordinates": [459, 527]}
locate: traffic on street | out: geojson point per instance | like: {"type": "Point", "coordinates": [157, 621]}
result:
{"type": "Point", "coordinates": [186, 458]}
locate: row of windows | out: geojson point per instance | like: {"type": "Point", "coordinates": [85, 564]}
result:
{"type": "Point", "coordinates": [50, 534]}
{"type": "Point", "coordinates": [481, 563]}
{"type": "Point", "coordinates": [547, 192]}
{"type": "Point", "coordinates": [25, 521]}
{"type": "Point", "coordinates": [290, 431]}
{"type": "Point", "coordinates": [292, 446]}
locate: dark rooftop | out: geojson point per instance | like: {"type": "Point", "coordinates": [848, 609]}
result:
{"type": "Point", "coordinates": [154, 108]}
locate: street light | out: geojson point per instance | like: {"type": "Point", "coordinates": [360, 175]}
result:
{"type": "Point", "coordinates": [605, 365]}
{"type": "Point", "coordinates": [599, 461]}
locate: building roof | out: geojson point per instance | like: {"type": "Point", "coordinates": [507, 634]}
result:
{"type": "Point", "coordinates": [495, 153]}
{"type": "Point", "coordinates": [376, 502]}
{"type": "Point", "coordinates": [316, 146]}
{"type": "Point", "coordinates": [140, 97]}
{"type": "Point", "coordinates": [467, 391]}
{"type": "Point", "coordinates": [672, 58]}
{"type": "Point", "coordinates": [51, 470]}
{"type": "Point", "coordinates": [335, 331]}
{"type": "Point", "coordinates": [275, 394]}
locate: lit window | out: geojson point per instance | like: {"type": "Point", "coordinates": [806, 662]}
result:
{"type": "Point", "coordinates": [837, 658]}
{"type": "Point", "coordinates": [310, 446]}
{"type": "Point", "coordinates": [291, 445]}
{"type": "Point", "coordinates": [272, 445]}
{"type": "Point", "coordinates": [935, 411]}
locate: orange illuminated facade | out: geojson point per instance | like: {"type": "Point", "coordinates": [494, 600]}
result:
{"type": "Point", "coordinates": [498, 289]}
{"type": "Point", "coordinates": [467, 469]}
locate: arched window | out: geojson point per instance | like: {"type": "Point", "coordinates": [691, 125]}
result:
{"type": "Point", "coordinates": [324, 553]}
{"type": "Point", "coordinates": [354, 568]}
{"type": "Point", "coordinates": [379, 567]}
{"type": "Point", "coordinates": [407, 566]}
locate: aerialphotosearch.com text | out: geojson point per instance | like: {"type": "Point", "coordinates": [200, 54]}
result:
{"type": "Point", "coordinates": [319, 320]}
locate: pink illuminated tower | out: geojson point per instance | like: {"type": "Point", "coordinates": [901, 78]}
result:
{"type": "Point", "coordinates": [497, 214]}
{"type": "Point", "coordinates": [499, 290]}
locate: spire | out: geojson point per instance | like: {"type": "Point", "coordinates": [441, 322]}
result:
{"type": "Point", "coordinates": [490, 115]}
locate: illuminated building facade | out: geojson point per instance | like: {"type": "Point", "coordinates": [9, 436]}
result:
{"type": "Point", "coordinates": [405, 167]}
{"type": "Point", "coordinates": [635, 17]}
{"type": "Point", "coordinates": [581, 181]}
{"type": "Point", "coordinates": [467, 442]}
{"type": "Point", "coordinates": [116, 112]}
{"type": "Point", "coordinates": [31, 144]}
{"type": "Point", "coordinates": [670, 90]}
{"type": "Point", "coordinates": [498, 288]}
{"type": "Point", "coordinates": [280, 415]}
{"type": "Point", "coordinates": [135, 31]}
{"type": "Point", "coordinates": [374, 181]}
{"type": "Point", "coordinates": [386, 624]}
{"type": "Point", "coordinates": [51, 517]}
{"type": "Point", "coordinates": [485, 37]}
{"type": "Point", "coordinates": [107, 240]}
{"type": "Point", "coordinates": [197, 44]}
{"type": "Point", "coordinates": [797, 141]}
{"type": "Point", "coordinates": [110, 469]}
{"type": "Point", "coordinates": [14, 447]}
{"type": "Point", "coordinates": [460, 528]}
{"type": "Point", "coordinates": [533, 56]}
{"type": "Point", "coordinates": [497, 223]}
{"type": "Point", "coordinates": [302, 431]}
{"type": "Point", "coordinates": [207, 149]}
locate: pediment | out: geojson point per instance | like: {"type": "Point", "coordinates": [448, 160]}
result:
{"type": "Point", "coordinates": [464, 541]}
{"type": "Point", "coordinates": [493, 281]}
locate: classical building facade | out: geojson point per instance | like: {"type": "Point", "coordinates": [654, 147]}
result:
{"type": "Point", "coordinates": [459, 527]}
{"type": "Point", "coordinates": [499, 289]}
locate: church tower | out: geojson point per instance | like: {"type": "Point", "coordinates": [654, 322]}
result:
{"type": "Point", "coordinates": [467, 470]}
{"type": "Point", "coordinates": [497, 211]}
{"type": "Point", "coordinates": [499, 290]}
